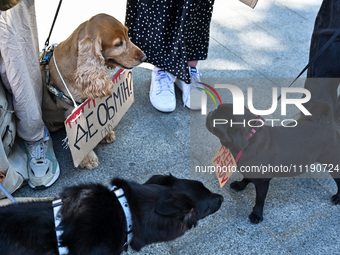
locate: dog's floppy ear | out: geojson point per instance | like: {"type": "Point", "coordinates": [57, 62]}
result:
{"type": "Point", "coordinates": [91, 76]}
{"type": "Point", "coordinates": [175, 205]}
{"type": "Point", "coordinates": [178, 205]}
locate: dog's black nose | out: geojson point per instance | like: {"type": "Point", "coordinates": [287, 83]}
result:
{"type": "Point", "coordinates": [144, 58]}
{"type": "Point", "coordinates": [218, 199]}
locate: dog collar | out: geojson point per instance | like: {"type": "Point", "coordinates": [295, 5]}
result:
{"type": "Point", "coordinates": [56, 204]}
{"type": "Point", "coordinates": [119, 192]}
{"type": "Point", "coordinates": [250, 135]}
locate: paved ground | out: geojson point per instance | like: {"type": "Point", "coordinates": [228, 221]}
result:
{"type": "Point", "coordinates": [262, 48]}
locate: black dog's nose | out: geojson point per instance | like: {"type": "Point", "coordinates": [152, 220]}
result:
{"type": "Point", "coordinates": [218, 199]}
{"type": "Point", "coordinates": [144, 58]}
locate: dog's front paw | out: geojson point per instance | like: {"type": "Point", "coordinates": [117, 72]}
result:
{"type": "Point", "coordinates": [238, 185]}
{"type": "Point", "coordinates": [336, 199]}
{"type": "Point", "coordinates": [109, 138]}
{"type": "Point", "coordinates": [254, 218]}
{"type": "Point", "coordinates": [90, 162]}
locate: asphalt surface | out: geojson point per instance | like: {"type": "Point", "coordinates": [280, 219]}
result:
{"type": "Point", "coordinates": [261, 48]}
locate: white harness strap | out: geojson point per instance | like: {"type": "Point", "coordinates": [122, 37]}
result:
{"type": "Point", "coordinates": [125, 205]}
{"type": "Point", "coordinates": [56, 204]}
{"type": "Point", "coordinates": [61, 77]}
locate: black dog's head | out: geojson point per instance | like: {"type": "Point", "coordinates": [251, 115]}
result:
{"type": "Point", "coordinates": [165, 207]}
{"type": "Point", "coordinates": [232, 130]}
{"type": "Point", "coordinates": [187, 197]}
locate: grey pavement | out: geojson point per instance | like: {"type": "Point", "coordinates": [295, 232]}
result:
{"type": "Point", "coordinates": [262, 48]}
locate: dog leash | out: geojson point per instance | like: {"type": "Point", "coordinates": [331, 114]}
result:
{"type": "Point", "coordinates": [316, 56]}
{"type": "Point", "coordinates": [45, 59]}
{"type": "Point", "coordinates": [8, 195]}
{"type": "Point", "coordinates": [47, 42]}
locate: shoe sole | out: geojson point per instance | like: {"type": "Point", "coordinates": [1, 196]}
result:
{"type": "Point", "coordinates": [162, 110]}
{"type": "Point", "coordinates": [193, 108]}
{"type": "Point", "coordinates": [41, 187]}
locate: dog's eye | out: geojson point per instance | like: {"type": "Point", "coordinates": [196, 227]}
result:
{"type": "Point", "coordinates": [120, 43]}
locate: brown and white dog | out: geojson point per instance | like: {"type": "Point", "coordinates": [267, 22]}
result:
{"type": "Point", "coordinates": [99, 43]}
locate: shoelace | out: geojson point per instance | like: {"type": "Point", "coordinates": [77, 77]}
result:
{"type": "Point", "coordinates": [164, 79]}
{"type": "Point", "coordinates": [195, 75]}
{"type": "Point", "coordinates": [38, 149]}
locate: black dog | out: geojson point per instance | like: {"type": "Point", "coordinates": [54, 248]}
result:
{"type": "Point", "coordinates": [93, 221]}
{"type": "Point", "coordinates": [289, 147]}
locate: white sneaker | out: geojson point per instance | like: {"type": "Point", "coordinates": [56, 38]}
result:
{"type": "Point", "coordinates": [42, 165]}
{"type": "Point", "coordinates": [162, 90]}
{"type": "Point", "coordinates": [191, 92]}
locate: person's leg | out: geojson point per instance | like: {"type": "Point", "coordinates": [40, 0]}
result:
{"type": "Point", "coordinates": [20, 73]}
{"type": "Point", "coordinates": [323, 74]}
{"type": "Point", "coordinates": [20, 70]}
{"type": "Point", "coordinates": [193, 63]}
{"type": "Point", "coordinates": [196, 41]}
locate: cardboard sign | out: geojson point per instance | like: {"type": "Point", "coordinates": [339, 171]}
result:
{"type": "Point", "coordinates": [251, 3]}
{"type": "Point", "coordinates": [95, 118]}
{"type": "Point", "coordinates": [224, 164]}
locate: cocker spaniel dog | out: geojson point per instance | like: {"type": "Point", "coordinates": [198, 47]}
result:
{"type": "Point", "coordinates": [82, 59]}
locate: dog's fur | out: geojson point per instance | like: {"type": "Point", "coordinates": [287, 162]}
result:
{"type": "Point", "coordinates": [309, 142]}
{"type": "Point", "coordinates": [82, 59]}
{"type": "Point", "coordinates": [93, 221]}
